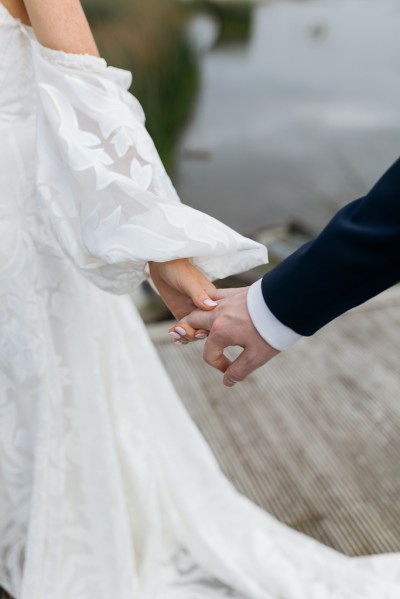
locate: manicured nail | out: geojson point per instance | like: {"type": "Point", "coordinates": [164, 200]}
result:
{"type": "Point", "coordinates": [178, 343]}
{"type": "Point", "coordinates": [174, 335]}
{"type": "Point", "coordinates": [201, 336]}
{"type": "Point", "coordinates": [181, 331]}
{"type": "Point", "coordinates": [210, 303]}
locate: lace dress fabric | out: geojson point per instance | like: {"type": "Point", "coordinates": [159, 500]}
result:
{"type": "Point", "coordinates": [107, 489]}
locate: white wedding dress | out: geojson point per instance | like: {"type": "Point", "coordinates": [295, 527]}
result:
{"type": "Point", "coordinates": [107, 489]}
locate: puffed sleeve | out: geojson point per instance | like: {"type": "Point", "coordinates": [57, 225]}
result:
{"type": "Point", "coordinates": [102, 186]}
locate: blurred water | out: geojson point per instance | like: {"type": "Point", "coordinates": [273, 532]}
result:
{"type": "Point", "coordinates": [300, 120]}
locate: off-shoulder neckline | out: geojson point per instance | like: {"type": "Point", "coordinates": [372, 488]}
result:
{"type": "Point", "coordinates": [70, 59]}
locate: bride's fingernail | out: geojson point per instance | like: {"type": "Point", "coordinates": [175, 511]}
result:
{"type": "Point", "coordinates": [178, 343]}
{"type": "Point", "coordinates": [181, 331]}
{"type": "Point", "coordinates": [201, 336]}
{"type": "Point", "coordinates": [210, 303]}
{"type": "Point", "coordinates": [174, 335]}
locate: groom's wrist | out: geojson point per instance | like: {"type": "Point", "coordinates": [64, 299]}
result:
{"type": "Point", "coordinates": [274, 332]}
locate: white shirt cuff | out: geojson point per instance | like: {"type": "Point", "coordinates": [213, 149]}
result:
{"type": "Point", "coordinates": [270, 328]}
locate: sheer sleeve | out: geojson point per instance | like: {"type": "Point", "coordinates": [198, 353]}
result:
{"type": "Point", "coordinates": [102, 186]}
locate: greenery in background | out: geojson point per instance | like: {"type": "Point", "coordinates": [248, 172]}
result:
{"type": "Point", "coordinates": [234, 18]}
{"type": "Point", "coordinates": [148, 38]}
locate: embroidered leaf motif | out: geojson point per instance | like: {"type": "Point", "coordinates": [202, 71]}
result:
{"type": "Point", "coordinates": [141, 175]}
{"type": "Point", "coordinates": [121, 142]}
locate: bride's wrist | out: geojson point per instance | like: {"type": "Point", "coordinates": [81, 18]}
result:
{"type": "Point", "coordinates": [177, 261]}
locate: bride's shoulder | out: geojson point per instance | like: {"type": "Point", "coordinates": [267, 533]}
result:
{"type": "Point", "coordinates": [17, 9]}
{"type": "Point", "coordinates": [61, 25]}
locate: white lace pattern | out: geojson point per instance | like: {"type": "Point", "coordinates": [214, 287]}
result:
{"type": "Point", "coordinates": [107, 489]}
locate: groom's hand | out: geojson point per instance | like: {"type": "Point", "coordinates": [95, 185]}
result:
{"type": "Point", "coordinates": [230, 325]}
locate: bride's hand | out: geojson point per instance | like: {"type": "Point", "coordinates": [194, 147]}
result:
{"type": "Point", "coordinates": [183, 288]}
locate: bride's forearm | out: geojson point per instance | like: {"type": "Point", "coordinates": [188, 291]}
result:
{"type": "Point", "coordinates": [61, 25]}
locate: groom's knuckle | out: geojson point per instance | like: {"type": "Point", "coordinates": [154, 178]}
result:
{"type": "Point", "coordinates": [237, 374]}
{"type": "Point", "coordinates": [218, 329]}
{"type": "Point", "coordinates": [237, 377]}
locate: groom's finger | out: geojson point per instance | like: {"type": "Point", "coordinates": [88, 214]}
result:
{"type": "Point", "coordinates": [214, 353]}
{"type": "Point", "coordinates": [219, 294]}
{"type": "Point", "coordinates": [240, 368]}
{"type": "Point", "coordinates": [199, 319]}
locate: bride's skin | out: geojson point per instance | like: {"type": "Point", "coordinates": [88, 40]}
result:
{"type": "Point", "coordinates": [17, 9]}
{"type": "Point", "coordinates": [62, 25]}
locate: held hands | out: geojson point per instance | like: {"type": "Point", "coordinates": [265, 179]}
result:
{"type": "Point", "coordinates": [229, 324]}
{"type": "Point", "coordinates": [182, 288]}
{"type": "Point", "coordinates": [221, 315]}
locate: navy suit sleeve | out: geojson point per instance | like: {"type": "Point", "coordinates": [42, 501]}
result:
{"type": "Point", "coordinates": [353, 259]}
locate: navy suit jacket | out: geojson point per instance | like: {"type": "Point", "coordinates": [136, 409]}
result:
{"type": "Point", "coordinates": [354, 258]}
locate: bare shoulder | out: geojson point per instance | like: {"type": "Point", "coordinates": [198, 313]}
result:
{"type": "Point", "coordinates": [59, 24]}
{"type": "Point", "coordinates": [17, 9]}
